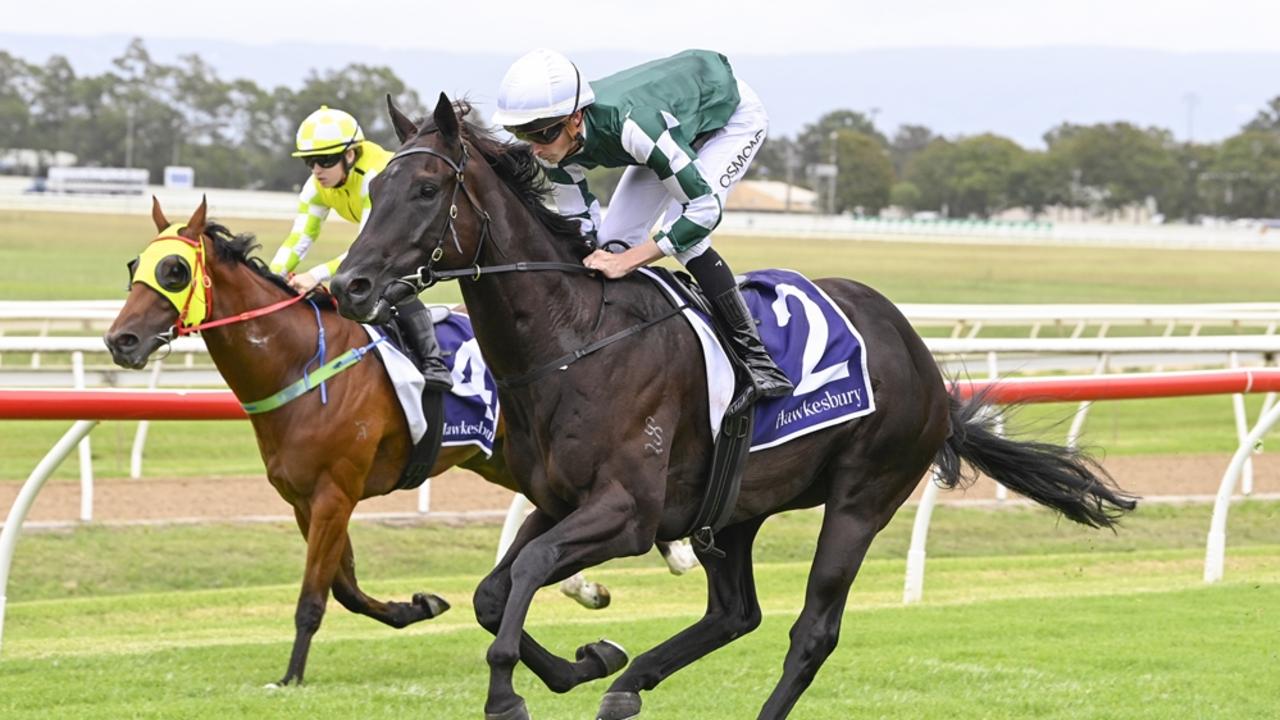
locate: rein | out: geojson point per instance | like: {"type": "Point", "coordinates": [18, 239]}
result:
{"type": "Point", "coordinates": [427, 276]}
{"type": "Point", "coordinates": [247, 315]}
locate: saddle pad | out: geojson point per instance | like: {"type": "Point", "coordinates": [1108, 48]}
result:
{"type": "Point", "coordinates": [813, 343]}
{"type": "Point", "coordinates": [471, 408]}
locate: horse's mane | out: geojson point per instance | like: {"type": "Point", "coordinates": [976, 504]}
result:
{"type": "Point", "coordinates": [237, 248]}
{"type": "Point", "coordinates": [517, 167]}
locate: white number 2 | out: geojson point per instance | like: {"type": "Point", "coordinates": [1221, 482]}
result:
{"type": "Point", "coordinates": [815, 343]}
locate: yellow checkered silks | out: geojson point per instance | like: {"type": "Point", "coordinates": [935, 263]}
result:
{"type": "Point", "coordinates": [351, 200]}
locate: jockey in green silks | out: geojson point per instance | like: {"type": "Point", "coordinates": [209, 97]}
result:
{"type": "Point", "coordinates": [686, 130]}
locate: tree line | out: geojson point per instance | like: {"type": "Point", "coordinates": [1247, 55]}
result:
{"type": "Point", "coordinates": [143, 113]}
{"type": "Point", "coordinates": [1100, 168]}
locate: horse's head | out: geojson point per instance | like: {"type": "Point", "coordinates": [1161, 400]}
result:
{"type": "Point", "coordinates": [167, 288]}
{"type": "Point", "coordinates": [415, 222]}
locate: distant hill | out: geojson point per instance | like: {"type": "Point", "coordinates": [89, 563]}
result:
{"type": "Point", "coordinates": [1019, 93]}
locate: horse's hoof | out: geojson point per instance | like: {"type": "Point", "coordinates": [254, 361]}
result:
{"type": "Point", "coordinates": [519, 712]}
{"type": "Point", "coordinates": [609, 655]}
{"type": "Point", "coordinates": [432, 605]}
{"type": "Point", "coordinates": [619, 706]}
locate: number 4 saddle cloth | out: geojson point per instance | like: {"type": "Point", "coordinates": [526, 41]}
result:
{"type": "Point", "coordinates": [810, 339]}
{"type": "Point", "coordinates": [471, 407]}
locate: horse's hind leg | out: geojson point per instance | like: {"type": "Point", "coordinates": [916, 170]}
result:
{"type": "Point", "coordinates": [591, 595]}
{"type": "Point", "coordinates": [679, 556]}
{"type": "Point", "coordinates": [346, 590]}
{"type": "Point", "coordinates": [595, 660]}
{"type": "Point", "coordinates": [732, 611]}
{"type": "Point", "coordinates": [847, 531]}
{"type": "Point", "coordinates": [325, 525]}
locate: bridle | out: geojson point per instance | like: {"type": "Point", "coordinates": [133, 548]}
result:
{"type": "Point", "coordinates": [202, 281]}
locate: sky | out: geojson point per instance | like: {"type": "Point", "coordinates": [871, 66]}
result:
{"type": "Point", "coordinates": [737, 26]}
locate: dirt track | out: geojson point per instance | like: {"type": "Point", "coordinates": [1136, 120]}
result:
{"type": "Point", "coordinates": [458, 491]}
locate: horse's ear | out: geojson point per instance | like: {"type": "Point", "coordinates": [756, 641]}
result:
{"type": "Point", "coordinates": [405, 128]}
{"type": "Point", "coordinates": [446, 118]}
{"type": "Point", "coordinates": [196, 223]}
{"type": "Point", "coordinates": [157, 215]}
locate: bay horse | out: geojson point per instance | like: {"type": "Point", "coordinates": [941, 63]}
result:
{"type": "Point", "coordinates": [322, 460]}
{"type": "Point", "coordinates": [457, 202]}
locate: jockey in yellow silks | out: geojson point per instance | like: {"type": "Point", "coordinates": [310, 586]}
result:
{"type": "Point", "coordinates": [343, 165]}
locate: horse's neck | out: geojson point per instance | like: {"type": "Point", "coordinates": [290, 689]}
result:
{"type": "Point", "coordinates": [260, 356]}
{"type": "Point", "coordinates": [526, 318]}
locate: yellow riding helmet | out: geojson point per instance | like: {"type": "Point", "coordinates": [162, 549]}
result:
{"type": "Point", "coordinates": [327, 132]}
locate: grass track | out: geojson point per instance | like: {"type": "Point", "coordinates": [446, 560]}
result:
{"type": "Point", "coordinates": [1059, 636]}
{"type": "Point", "coordinates": [1024, 617]}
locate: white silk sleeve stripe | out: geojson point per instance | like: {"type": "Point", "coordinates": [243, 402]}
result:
{"type": "Point", "coordinates": [569, 199]}
{"type": "Point", "coordinates": [676, 156]}
{"type": "Point", "coordinates": [636, 141]}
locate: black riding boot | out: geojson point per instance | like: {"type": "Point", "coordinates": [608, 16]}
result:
{"type": "Point", "coordinates": [717, 281]}
{"type": "Point", "coordinates": [766, 376]}
{"type": "Point", "coordinates": [419, 333]}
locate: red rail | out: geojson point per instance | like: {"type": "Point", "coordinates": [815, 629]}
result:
{"type": "Point", "coordinates": [119, 405]}
{"type": "Point", "coordinates": [222, 405]}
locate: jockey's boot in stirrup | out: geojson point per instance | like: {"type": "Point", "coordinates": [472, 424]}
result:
{"type": "Point", "coordinates": [419, 333]}
{"type": "Point", "coordinates": [766, 377]}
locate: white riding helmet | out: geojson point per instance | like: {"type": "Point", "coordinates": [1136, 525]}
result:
{"type": "Point", "coordinates": [541, 85]}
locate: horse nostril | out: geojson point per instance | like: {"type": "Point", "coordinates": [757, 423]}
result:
{"type": "Point", "coordinates": [359, 288]}
{"type": "Point", "coordinates": [123, 341]}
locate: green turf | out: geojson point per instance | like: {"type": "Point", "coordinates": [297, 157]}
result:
{"type": "Point", "coordinates": [97, 561]}
{"type": "Point", "coordinates": [1084, 635]}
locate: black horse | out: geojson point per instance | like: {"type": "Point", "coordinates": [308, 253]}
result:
{"type": "Point", "coordinates": [577, 436]}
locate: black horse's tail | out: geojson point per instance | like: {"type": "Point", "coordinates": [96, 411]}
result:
{"type": "Point", "coordinates": [1064, 479]}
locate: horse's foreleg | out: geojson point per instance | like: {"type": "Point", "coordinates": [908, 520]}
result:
{"type": "Point", "coordinates": [346, 590]}
{"type": "Point", "coordinates": [842, 545]}
{"type": "Point", "coordinates": [606, 527]}
{"type": "Point", "coordinates": [732, 611]}
{"type": "Point", "coordinates": [559, 675]}
{"type": "Point", "coordinates": [326, 529]}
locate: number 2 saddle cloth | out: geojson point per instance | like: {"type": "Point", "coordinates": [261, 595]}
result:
{"type": "Point", "coordinates": [810, 339]}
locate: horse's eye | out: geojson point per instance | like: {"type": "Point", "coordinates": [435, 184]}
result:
{"type": "Point", "coordinates": [428, 190]}
{"type": "Point", "coordinates": [173, 273]}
